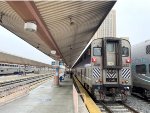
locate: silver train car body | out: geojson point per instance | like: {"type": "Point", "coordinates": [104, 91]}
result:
{"type": "Point", "coordinates": [141, 68]}
{"type": "Point", "coordinates": [7, 69]}
{"type": "Point", "coordinates": [105, 70]}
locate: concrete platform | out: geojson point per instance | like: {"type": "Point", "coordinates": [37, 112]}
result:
{"type": "Point", "coordinates": [45, 99]}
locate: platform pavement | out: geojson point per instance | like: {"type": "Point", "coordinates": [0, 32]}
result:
{"type": "Point", "coordinates": [45, 99]}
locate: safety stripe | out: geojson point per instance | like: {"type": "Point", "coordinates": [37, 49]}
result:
{"type": "Point", "coordinates": [92, 107]}
{"type": "Point", "coordinates": [111, 73]}
{"type": "Point", "coordinates": [96, 72]}
{"type": "Point", "coordinates": [126, 73]}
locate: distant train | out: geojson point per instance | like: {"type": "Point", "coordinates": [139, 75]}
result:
{"type": "Point", "coordinates": [141, 68]}
{"type": "Point", "coordinates": [104, 69]}
{"type": "Point", "coordinates": [7, 69]}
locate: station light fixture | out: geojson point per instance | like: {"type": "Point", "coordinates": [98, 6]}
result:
{"type": "Point", "coordinates": [70, 18]}
{"type": "Point", "coordinates": [30, 26]}
{"type": "Point", "coordinates": [53, 52]}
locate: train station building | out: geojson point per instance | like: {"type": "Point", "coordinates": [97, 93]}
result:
{"type": "Point", "coordinates": [60, 29]}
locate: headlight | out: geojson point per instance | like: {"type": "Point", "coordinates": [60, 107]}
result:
{"type": "Point", "coordinates": [126, 81]}
{"type": "Point", "coordinates": [96, 81]}
{"type": "Point", "coordinates": [126, 88]}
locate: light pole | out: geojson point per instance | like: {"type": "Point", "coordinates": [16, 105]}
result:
{"type": "Point", "coordinates": [56, 76]}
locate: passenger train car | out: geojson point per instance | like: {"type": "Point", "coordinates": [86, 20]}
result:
{"type": "Point", "coordinates": [104, 69]}
{"type": "Point", "coordinates": [7, 68]}
{"type": "Point", "coordinates": [141, 68]}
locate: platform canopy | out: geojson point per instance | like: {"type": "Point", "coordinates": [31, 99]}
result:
{"type": "Point", "coordinates": [64, 26]}
{"type": "Point", "coordinates": [13, 59]}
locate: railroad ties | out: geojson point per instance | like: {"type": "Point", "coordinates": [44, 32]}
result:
{"type": "Point", "coordinates": [132, 105]}
{"type": "Point", "coordinates": [115, 107]}
{"type": "Point", "coordinates": [20, 86]}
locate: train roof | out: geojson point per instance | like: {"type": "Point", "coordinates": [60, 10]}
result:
{"type": "Point", "coordinates": [9, 58]}
{"type": "Point", "coordinates": [141, 50]}
{"type": "Point", "coordinates": [88, 45]}
{"type": "Point", "coordinates": [144, 43]}
{"type": "Point", "coordinates": [123, 38]}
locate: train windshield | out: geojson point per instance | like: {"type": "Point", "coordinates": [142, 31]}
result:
{"type": "Point", "coordinates": [110, 47]}
{"type": "Point", "coordinates": [97, 51]}
{"type": "Point", "coordinates": [125, 51]}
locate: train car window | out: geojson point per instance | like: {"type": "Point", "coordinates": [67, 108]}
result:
{"type": "Point", "coordinates": [2, 70]}
{"type": "Point", "coordinates": [2, 64]}
{"type": "Point", "coordinates": [141, 69]}
{"type": "Point", "coordinates": [149, 68]}
{"type": "Point", "coordinates": [97, 51]}
{"type": "Point", "coordinates": [110, 47]}
{"type": "Point", "coordinates": [85, 56]}
{"type": "Point", "coordinates": [148, 49]}
{"type": "Point", "coordinates": [89, 52]}
{"type": "Point", "coordinates": [125, 51]}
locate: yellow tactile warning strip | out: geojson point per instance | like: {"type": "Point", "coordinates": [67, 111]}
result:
{"type": "Point", "coordinates": [92, 107]}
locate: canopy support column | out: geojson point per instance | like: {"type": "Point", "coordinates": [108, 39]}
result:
{"type": "Point", "coordinates": [56, 76]}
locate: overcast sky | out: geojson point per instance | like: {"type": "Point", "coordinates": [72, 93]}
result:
{"type": "Point", "coordinates": [132, 19]}
{"type": "Point", "coordinates": [10, 43]}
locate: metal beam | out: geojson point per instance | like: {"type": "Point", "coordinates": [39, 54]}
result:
{"type": "Point", "coordinates": [29, 12]}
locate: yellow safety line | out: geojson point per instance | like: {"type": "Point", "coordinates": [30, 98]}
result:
{"type": "Point", "coordinates": [92, 107]}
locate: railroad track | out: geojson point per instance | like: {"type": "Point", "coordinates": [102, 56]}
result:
{"type": "Point", "coordinates": [138, 96]}
{"type": "Point", "coordinates": [115, 107]}
{"type": "Point", "coordinates": [132, 105]}
{"type": "Point", "coordinates": [21, 86]}
{"type": "Point", "coordinates": [139, 103]}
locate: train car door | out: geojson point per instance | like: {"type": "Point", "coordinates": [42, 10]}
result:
{"type": "Point", "coordinates": [111, 53]}
{"type": "Point", "coordinates": [112, 59]}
